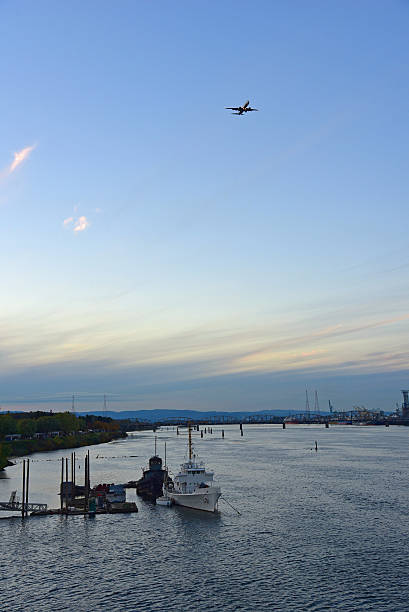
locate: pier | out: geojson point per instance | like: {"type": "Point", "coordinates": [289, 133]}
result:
{"type": "Point", "coordinates": [74, 499]}
{"type": "Point", "coordinates": [13, 505]}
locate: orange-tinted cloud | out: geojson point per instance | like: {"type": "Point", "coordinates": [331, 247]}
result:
{"type": "Point", "coordinates": [81, 224]}
{"type": "Point", "coordinates": [19, 157]}
{"type": "Point", "coordinates": [78, 224]}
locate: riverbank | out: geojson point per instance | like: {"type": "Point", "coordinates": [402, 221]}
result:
{"type": "Point", "coordinates": [20, 448]}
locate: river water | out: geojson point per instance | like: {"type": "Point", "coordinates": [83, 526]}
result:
{"type": "Point", "coordinates": [324, 530]}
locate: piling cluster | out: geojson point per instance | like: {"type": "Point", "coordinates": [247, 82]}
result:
{"type": "Point", "coordinates": [26, 482]}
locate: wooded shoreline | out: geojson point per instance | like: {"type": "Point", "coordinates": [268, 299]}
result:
{"type": "Point", "coordinates": [26, 433]}
{"type": "Point", "coordinates": [20, 448]}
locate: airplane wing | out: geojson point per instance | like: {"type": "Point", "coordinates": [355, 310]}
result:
{"type": "Point", "coordinates": [246, 103]}
{"type": "Point", "coordinates": [232, 108]}
{"type": "Point", "coordinates": [249, 109]}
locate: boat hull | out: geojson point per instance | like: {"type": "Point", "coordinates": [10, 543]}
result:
{"type": "Point", "coordinates": [206, 501]}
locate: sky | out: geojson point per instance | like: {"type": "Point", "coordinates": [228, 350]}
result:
{"type": "Point", "coordinates": [162, 251]}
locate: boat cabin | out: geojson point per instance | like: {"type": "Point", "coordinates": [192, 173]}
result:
{"type": "Point", "coordinates": [192, 475]}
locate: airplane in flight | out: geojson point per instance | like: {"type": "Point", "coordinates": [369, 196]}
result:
{"type": "Point", "coordinates": [242, 109]}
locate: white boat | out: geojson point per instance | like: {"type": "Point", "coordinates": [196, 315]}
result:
{"type": "Point", "coordinates": [191, 486]}
{"type": "Point", "coordinates": [163, 501]}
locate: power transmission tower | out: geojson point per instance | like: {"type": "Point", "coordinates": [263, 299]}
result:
{"type": "Point", "coordinates": [316, 406]}
{"type": "Point", "coordinates": [307, 403]}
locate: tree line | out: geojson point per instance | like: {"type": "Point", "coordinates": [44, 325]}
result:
{"type": "Point", "coordinates": [28, 424]}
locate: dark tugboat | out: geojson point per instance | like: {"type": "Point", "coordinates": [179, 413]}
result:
{"type": "Point", "coordinates": [150, 486]}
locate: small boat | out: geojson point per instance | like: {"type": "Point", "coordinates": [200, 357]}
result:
{"type": "Point", "coordinates": [191, 486]}
{"type": "Point", "coordinates": [163, 501]}
{"type": "Point", "coordinates": [116, 494]}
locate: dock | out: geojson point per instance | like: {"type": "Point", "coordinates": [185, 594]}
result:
{"type": "Point", "coordinates": [15, 506]}
{"type": "Point", "coordinates": [74, 499]}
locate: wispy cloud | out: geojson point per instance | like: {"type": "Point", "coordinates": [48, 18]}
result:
{"type": "Point", "coordinates": [81, 224]}
{"type": "Point", "coordinates": [78, 224]}
{"type": "Point", "coordinates": [19, 157]}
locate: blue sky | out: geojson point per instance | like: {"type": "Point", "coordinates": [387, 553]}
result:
{"type": "Point", "coordinates": [162, 251]}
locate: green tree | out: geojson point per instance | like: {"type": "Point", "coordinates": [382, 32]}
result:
{"type": "Point", "coordinates": [27, 427]}
{"type": "Point", "coordinates": [3, 456]}
{"type": "Point", "coordinates": [47, 424]}
{"type": "Point", "coordinates": [8, 425]}
{"type": "Point", "coordinates": [68, 422]}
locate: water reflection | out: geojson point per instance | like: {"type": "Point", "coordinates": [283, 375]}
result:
{"type": "Point", "coordinates": [310, 524]}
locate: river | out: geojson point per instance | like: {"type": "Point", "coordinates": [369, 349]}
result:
{"type": "Point", "coordinates": [325, 530]}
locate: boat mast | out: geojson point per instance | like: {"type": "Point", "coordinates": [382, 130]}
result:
{"type": "Point", "coordinates": [165, 477]}
{"type": "Point", "coordinates": [190, 441]}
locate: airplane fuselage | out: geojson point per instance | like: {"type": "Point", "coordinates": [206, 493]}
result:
{"type": "Point", "coordinates": [240, 110]}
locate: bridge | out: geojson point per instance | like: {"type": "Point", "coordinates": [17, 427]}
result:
{"type": "Point", "coordinates": [13, 505]}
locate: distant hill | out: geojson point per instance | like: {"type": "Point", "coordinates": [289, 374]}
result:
{"type": "Point", "coordinates": [152, 416]}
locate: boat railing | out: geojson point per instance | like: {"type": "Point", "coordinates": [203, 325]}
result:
{"type": "Point", "coordinates": [193, 465]}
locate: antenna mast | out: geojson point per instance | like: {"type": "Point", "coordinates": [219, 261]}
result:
{"type": "Point", "coordinates": [307, 403]}
{"type": "Point", "coordinates": [190, 441]}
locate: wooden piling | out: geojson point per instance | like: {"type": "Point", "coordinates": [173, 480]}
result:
{"type": "Point", "coordinates": [23, 499]}
{"type": "Point", "coordinates": [283, 425]}
{"type": "Point", "coordinates": [201, 434]}
{"type": "Point", "coordinates": [316, 445]}
{"type": "Point", "coordinates": [27, 483]}
{"type": "Point", "coordinates": [222, 433]}
{"type": "Point", "coordinates": [87, 482]}
{"type": "Point", "coordinates": [72, 477]}
{"type": "Point", "coordinates": [61, 486]}
{"type": "Point", "coordinates": [89, 472]}
{"type": "Point", "coordinates": [66, 484]}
